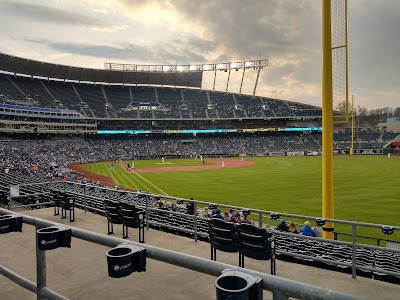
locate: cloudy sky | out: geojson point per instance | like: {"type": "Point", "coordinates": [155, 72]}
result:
{"type": "Point", "coordinates": [287, 32]}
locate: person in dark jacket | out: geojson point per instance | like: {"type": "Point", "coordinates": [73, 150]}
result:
{"type": "Point", "coordinates": [218, 215]}
{"type": "Point", "coordinates": [190, 207]}
{"type": "Point", "coordinates": [283, 226]}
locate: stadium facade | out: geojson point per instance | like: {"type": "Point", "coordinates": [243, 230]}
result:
{"type": "Point", "coordinates": [161, 103]}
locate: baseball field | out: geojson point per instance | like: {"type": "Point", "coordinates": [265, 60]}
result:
{"type": "Point", "coordinates": [366, 188]}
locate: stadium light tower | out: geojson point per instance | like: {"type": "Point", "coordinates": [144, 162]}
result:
{"type": "Point", "coordinates": [257, 64]}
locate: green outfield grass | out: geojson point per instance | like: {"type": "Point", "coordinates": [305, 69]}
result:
{"type": "Point", "coordinates": [167, 163]}
{"type": "Point", "coordinates": [367, 188]}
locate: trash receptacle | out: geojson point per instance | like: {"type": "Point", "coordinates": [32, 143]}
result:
{"type": "Point", "coordinates": [235, 285]}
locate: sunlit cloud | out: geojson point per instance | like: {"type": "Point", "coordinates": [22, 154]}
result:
{"type": "Point", "coordinates": [286, 32]}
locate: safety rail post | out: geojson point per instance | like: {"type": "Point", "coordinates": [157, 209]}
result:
{"type": "Point", "coordinates": [279, 295]}
{"type": "Point", "coordinates": [147, 211]}
{"type": "Point", "coordinates": [354, 251]}
{"type": "Point", "coordinates": [40, 268]}
{"type": "Point", "coordinates": [195, 220]}
{"type": "Point", "coordinates": [9, 202]}
{"type": "Point", "coordinates": [84, 197]}
{"type": "Point", "coordinates": [260, 219]}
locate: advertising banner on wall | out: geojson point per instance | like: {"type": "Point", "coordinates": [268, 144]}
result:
{"type": "Point", "coordinates": [368, 151]}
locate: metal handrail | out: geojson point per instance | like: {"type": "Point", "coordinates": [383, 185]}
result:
{"type": "Point", "coordinates": [195, 232]}
{"type": "Point", "coordinates": [281, 288]}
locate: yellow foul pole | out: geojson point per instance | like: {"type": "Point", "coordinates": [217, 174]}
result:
{"type": "Point", "coordinates": [352, 126]}
{"type": "Point", "coordinates": [327, 121]}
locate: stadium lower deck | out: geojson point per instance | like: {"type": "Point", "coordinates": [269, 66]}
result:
{"type": "Point", "coordinates": [80, 272]}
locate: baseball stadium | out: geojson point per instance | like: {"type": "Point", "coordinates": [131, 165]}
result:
{"type": "Point", "coordinates": [139, 168]}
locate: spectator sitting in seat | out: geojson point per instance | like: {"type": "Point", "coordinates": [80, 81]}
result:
{"type": "Point", "coordinates": [227, 217]}
{"type": "Point", "coordinates": [244, 219]}
{"type": "Point", "coordinates": [218, 215]}
{"type": "Point", "coordinates": [307, 230]}
{"type": "Point", "coordinates": [283, 226]}
{"type": "Point", "coordinates": [173, 207]}
{"type": "Point", "coordinates": [237, 218]}
{"type": "Point", "coordinates": [204, 213]}
{"type": "Point", "coordinates": [190, 207]}
{"type": "Point", "coordinates": [160, 205]}
{"type": "Point", "coordinates": [292, 228]}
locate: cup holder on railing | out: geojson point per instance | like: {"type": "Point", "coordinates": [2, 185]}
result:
{"type": "Point", "coordinates": [235, 285]}
{"type": "Point", "coordinates": [10, 223]}
{"type": "Point", "coordinates": [53, 237]}
{"type": "Point", "coordinates": [125, 259]}
{"type": "Point", "coordinates": [275, 216]}
{"type": "Point", "coordinates": [387, 229]}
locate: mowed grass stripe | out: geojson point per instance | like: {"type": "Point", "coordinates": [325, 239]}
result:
{"type": "Point", "coordinates": [148, 183]}
{"type": "Point", "coordinates": [121, 178]}
{"type": "Point", "coordinates": [105, 169]}
{"type": "Point", "coordinates": [132, 180]}
{"type": "Point", "coordinates": [141, 184]}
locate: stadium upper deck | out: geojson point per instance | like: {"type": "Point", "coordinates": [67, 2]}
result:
{"type": "Point", "coordinates": [116, 94]}
{"type": "Point", "coordinates": [19, 65]}
{"type": "Point", "coordinates": [145, 102]}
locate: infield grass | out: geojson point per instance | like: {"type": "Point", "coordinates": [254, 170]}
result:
{"type": "Point", "coordinates": [366, 188]}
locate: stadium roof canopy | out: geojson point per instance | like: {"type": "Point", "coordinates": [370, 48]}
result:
{"type": "Point", "coordinates": [35, 68]}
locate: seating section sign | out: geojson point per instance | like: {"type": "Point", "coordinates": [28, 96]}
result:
{"type": "Point", "coordinates": [14, 191]}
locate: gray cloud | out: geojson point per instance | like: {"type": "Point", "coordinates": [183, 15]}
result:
{"type": "Point", "coordinates": [137, 53]}
{"type": "Point", "coordinates": [47, 14]}
{"type": "Point", "coordinates": [284, 31]}
{"type": "Point", "coordinates": [287, 32]}
{"type": "Point", "coordinates": [250, 27]}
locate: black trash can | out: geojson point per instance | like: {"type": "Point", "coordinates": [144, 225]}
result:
{"type": "Point", "coordinates": [119, 261]}
{"type": "Point", "coordinates": [48, 238]}
{"type": "Point", "coordinates": [235, 285]}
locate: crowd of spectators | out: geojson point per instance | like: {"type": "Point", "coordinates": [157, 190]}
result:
{"type": "Point", "coordinates": [51, 156]}
{"type": "Point", "coordinates": [291, 228]}
{"type": "Point", "coordinates": [230, 215]}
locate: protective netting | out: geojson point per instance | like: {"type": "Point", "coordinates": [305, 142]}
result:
{"type": "Point", "coordinates": [339, 56]}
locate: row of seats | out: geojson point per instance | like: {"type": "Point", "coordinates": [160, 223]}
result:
{"type": "Point", "coordinates": [248, 240]}
{"type": "Point", "coordinates": [124, 213]}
